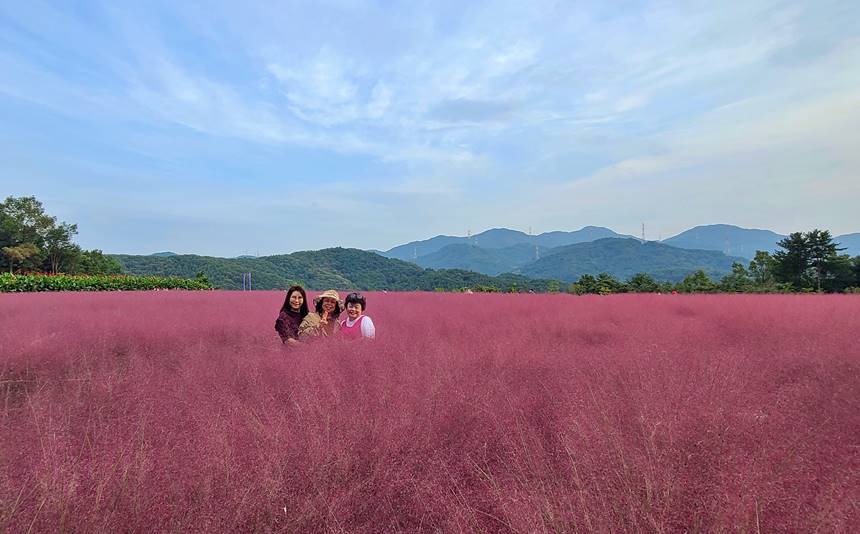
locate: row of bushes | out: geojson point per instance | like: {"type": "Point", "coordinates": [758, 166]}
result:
{"type": "Point", "coordinates": [738, 281]}
{"type": "Point", "coordinates": [64, 282]}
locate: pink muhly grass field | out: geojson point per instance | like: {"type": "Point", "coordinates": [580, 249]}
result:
{"type": "Point", "coordinates": [180, 411]}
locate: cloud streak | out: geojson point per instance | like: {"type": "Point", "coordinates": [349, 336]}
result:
{"type": "Point", "coordinates": [447, 116]}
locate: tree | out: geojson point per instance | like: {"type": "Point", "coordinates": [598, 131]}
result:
{"type": "Point", "coordinates": [585, 285]}
{"type": "Point", "coordinates": [855, 266]}
{"type": "Point", "coordinates": [792, 263]}
{"type": "Point", "coordinates": [607, 284]}
{"type": "Point", "coordinates": [809, 261]}
{"type": "Point", "coordinates": [823, 255]}
{"type": "Point", "coordinates": [761, 269]}
{"type": "Point", "coordinates": [24, 221]}
{"type": "Point", "coordinates": [697, 282]}
{"type": "Point", "coordinates": [60, 248]}
{"type": "Point", "coordinates": [738, 281]}
{"type": "Point", "coordinates": [838, 274]}
{"type": "Point", "coordinates": [19, 254]}
{"type": "Point", "coordinates": [642, 283]}
{"type": "Point", "coordinates": [96, 262]}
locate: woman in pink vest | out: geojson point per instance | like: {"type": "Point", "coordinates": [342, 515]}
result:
{"type": "Point", "coordinates": [356, 325]}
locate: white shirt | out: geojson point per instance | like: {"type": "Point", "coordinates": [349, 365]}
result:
{"type": "Point", "coordinates": [367, 328]}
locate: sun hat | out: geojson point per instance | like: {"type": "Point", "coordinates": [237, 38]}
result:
{"type": "Point", "coordinates": [330, 294]}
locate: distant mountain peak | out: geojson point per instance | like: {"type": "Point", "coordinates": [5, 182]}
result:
{"type": "Point", "coordinates": [727, 238]}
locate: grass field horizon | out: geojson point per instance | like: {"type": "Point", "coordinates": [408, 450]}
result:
{"type": "Point", "coordinates": [177, 411]}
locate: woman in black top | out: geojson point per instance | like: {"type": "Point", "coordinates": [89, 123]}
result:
{"type": "Point", "coordinates": [292, 312]}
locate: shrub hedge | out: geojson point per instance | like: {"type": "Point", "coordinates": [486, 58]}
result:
{"type": "Point", "coordinates": [63, 282]}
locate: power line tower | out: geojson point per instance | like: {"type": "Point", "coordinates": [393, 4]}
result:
{"type": "Point", "coordinates": [246, 281]}
{"type": "Point", "coordinates": [643, 232]}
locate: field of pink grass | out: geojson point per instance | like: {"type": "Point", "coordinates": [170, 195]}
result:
{"type": "Point", "coordinates": [182, 411]}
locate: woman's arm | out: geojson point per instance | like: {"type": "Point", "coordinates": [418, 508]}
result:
{"type": "Point", "coordinates": [310, 326]}
{"type": "Point", "coordinates": [368, 329]}
{"type": "Point", "coordinates": [281, 328]}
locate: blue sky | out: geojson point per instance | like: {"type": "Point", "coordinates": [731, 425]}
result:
{"type": "Point", "coordinates": [262, 128]}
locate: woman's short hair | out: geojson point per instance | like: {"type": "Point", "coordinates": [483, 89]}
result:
{"type": "Point", "coordinates": [304, 309]}
{"type": "Point", "coordinates": [356, 299]}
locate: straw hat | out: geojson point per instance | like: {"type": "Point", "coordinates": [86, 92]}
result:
{"type": "Point", "coordinates": [331, 294]}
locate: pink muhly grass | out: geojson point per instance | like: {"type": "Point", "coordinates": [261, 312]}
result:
{"type": "Point", "coordinates": [178, 411]}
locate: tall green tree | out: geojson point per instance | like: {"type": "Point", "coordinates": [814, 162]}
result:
{"type": "Point", "coordinates": [823, 256]}
{"type": "Point", "coordinates": [61, 251]}
{"type": "Point", "coordinates": [608, 284]}
{"type": "Point", "coordinates": [585, 285]}
{"type": "Point", "coordinates": [855, 266]}
{"type": "Point", "coordinates": [761, 269]}
{"type": "Point", "coordinates": [48, 244]}
{"type": "Point", "coordinates": [791, 264]}
{"type": "Point", "coordinates": [20, 254]}
{"type": "Point", "coordinates": [811, 261]}
{"type": "Point", "coordinates": [738, 281]}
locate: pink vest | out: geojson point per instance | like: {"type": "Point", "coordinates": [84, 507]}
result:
{"type": "Point", "coordinates": [351, 332]}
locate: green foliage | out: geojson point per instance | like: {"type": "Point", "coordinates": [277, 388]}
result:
{"type": "Point", "coordinates": [761, 269]}
{"type": "Point", "coordinates": [96, 262]}
{"type": "Point", "coordinates": [697, 282]}
{"type": "Point", "coordinates": [18, 255]}
{"type": "Point", "coordinates": [855, 267]}
{"type": "Point", "coordinates": [322, 269]}
{"type": "Point", "coordinates": [738, 281]}
{"type": "Point", "coordinates": [810, 261]}
{"type": "Point", "coordinates": [32, 240]}
{"type": "Point", "coordinates": [480, 288]}
{"type": "Point", "coordinates": [643, 283]}
{"type": "Point", "coordinates": [624, 258]}
{"type": "Point", "coordinates": [61, 282]}
{"type": "Point", "coordinates": [607, 285]}
{"type": "Point", "coordinates": [603, 284]}
{"type": "Point", "coordinates": [202, 278]}
{"type": "Point", "coordinates": [586, 284]}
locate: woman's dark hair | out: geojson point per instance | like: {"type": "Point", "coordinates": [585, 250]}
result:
{"type": "Point", "coordinates": [337, 310]}
{"type": "Point", "coordinates": [287, 308]}
{"type": "Point", "coordinates": [357, 299]}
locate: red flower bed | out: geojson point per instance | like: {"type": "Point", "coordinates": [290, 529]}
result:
{"type": "Point", "coordinates": [183, 411]}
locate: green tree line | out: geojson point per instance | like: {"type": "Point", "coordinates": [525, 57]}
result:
{"type": "Point", "coordinates": [33, 241]}
{"type": "Point", "coordinates": [805, 262]}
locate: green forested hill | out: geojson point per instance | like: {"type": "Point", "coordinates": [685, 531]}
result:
{"type": "Point", "coordinates": [320, 269]}
{"type": "Point", "coordinates": [622, 258]}
{"type": "Point", "coordinates": [490, 261]}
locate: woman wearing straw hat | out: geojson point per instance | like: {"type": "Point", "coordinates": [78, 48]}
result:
{"type": "Point", "coordinates": [323, 321]}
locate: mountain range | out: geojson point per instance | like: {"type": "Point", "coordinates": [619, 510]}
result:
{"type": "Point", "coordinates": [341, 268]}
{"type": "Point", "coordinates": [726, 238]}
{"type": "Point", "coordinates": [499, 258]}
{"type": "Point", "coordinates": [499, 238]}
{"type": "Point", "coordinates": [567, 255]}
